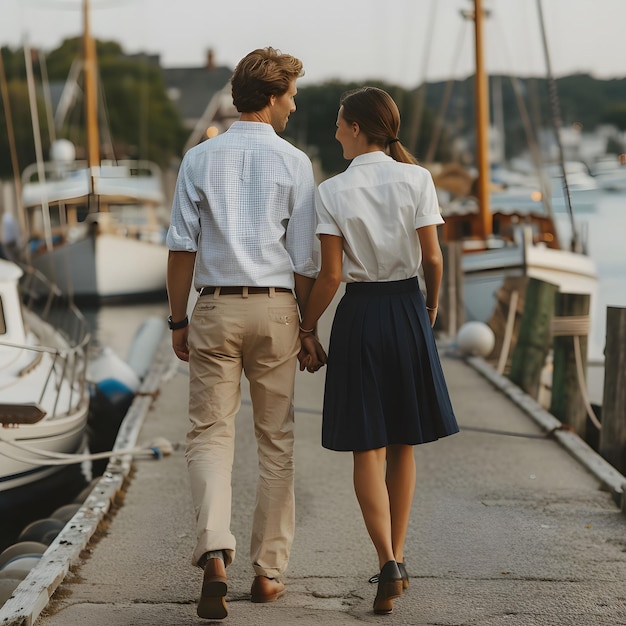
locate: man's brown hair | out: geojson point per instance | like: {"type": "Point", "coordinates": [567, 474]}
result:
{"type": "Point", "coordinates": [260, 74]}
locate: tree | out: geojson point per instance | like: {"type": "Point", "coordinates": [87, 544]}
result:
{"type": "Point", "coordinates": [141, 119]}
{"type": "Point", "coordinates": [22, 127]}
{"type": "Point", "coordinates": [616, 114]}
{"type": "Point", "coordinates": [137, 114]}
{"type": "Point", "coordinates": [313, 125]}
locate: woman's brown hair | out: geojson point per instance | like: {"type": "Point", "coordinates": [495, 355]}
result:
{"type": "Point", "coordinates": [260, 74]}
{"type": "Point", "coordinates": [377, 115]}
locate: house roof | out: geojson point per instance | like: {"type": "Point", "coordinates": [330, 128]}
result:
{"type": "Point", "coordinates": [192, 88]}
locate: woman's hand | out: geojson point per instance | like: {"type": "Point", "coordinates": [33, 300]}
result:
{"type": "Point", "coordinates": [312, 355]}
{"type": "Point", "coordinates": [432, 316]}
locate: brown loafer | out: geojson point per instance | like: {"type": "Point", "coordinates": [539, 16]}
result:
{"type": "Point", "coordinates": [266, 589]}
{"type": "Point", "coordinates": [212, 604]}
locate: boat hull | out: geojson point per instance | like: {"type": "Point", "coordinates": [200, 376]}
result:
{"type": "Point", "coordinates": [59, 436]}
{"type": "Point", "coordinates": [106, 267]}
{"type": "Point", "coordinates": [484, 273]}
{"type": "Point", "coordinates": [43, 387]}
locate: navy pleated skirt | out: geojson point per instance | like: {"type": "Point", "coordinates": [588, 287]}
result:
{"type": "Point", "coordinates": [384, 382]}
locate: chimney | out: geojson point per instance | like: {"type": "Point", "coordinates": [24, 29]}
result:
{"type": "Point", "coordinates": [210, 59]}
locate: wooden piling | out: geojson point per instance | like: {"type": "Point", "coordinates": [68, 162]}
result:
{"type": "Point", "coordinates": [450, 316]}
{"type": "Point", "coordinates": [571, 324]}
{"type": "Point", "coordinates": [613, 433]}
{"type": "Point", "coordinates": [534, 339]}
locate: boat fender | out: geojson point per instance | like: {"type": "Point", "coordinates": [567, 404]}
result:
{"type": "Point", "coordinates": [7, 587]}
{"type": "Point", "coordinates": [66, 512]}
{"type": "Point", "coordinates": [14, 574]}
{"type": "Point", "coordinates": [110, 371]}
{"type": "Point", "coordinates": [42, 530]}
{"type": "Point", "coordinates": [86, 491]}
{"type": "Point", "coordinates": [21, 550]}
{"type": "Point", "coordinates": [161, 447]}
{"type": "Point", "coordinates": [144, 346]}
{"type": "Point", "coordinates": [475, 339]}
{"type": "Point", "coordinates": [116, 394]}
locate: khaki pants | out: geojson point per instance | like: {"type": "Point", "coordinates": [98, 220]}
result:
{"type": "Point", "coordinates": [256, 334]}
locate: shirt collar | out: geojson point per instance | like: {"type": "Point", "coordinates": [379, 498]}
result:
{"type": "Point", "coordinates": [251, 127]}
{"type": "Point", "coordinates": [370, 157]}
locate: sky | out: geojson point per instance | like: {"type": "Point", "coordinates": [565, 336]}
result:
{"type": "Point", "coordinates": [402, 42]}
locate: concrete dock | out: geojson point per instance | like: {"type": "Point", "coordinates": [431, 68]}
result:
{"type": "Point", "coordinates": [510, 525]}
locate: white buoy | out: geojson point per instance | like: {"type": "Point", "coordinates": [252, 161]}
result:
{"type": "Point", "coordinates": [62, 151]}
{"type": "Point", "coordinates": [109, 368]}
{"type": "Point", "coordinates": [475, 339]}
{"type": "Point", "coordinates": [144, 346]}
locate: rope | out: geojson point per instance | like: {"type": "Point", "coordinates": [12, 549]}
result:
{"type": "Point", "coordinates": [577, 326]}
{"type": "Point", "coordinates": [581, 383]}
{"type": "Point", "coordinates": [158, 449]}
{"type": "Point", "coordinates": [571, 326]}
{"type": "Point", "coordinates": [508, 332]}
{"type": "Point", "coordinates": [557, 124]}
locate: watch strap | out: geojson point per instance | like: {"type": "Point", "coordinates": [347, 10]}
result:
{"type": "Point", "coordinates": [177, 325]}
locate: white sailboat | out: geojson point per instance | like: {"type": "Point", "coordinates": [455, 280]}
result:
{"type": "Point", "coordinates": [610, 173]}
{"type": "Point", "coordinates": [44, 397]}
{"type": "Point", "coordinates": [96, 228]}
{"type": "Point", "coordinates": [510, 241]}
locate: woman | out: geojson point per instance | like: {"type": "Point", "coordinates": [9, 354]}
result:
{"type": "Point", "coordinates": [385, 389]}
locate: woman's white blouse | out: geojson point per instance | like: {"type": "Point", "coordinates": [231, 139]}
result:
{"type": "Point", "coordinates": [376, 205]}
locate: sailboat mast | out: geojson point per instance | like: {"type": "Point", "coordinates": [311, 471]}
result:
{"type": "Point", "coordinates": [482, 125]}
{"type": "Point", "coordinates": [17, 181]}
{"type": "Point", "coordinates": [91, 94]}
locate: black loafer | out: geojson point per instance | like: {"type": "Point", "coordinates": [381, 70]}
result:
{"type": "Point", "coordinates": [403, 573]}
{"type": "Point", "coordinates": [389, 588]}
{"type": "Point", "coordinates": [405, 576]}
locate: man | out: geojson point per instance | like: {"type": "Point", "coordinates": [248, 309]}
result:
{"type": "Point", "coordinates": [243, 218]}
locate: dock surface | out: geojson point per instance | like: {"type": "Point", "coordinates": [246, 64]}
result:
{"type": "Point", "coordinates": [507, 527]}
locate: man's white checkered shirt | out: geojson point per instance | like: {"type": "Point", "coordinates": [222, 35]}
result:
{"type": "Point", "coordinates": [245, 202]}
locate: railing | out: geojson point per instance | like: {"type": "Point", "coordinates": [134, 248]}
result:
{"type": "Point", "coordinates": [60, 170]}
{"type": "Point", "coordinates": [66, 378]}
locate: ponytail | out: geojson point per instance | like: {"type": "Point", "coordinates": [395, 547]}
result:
{"type": "Point", "coordinates": [399, 153]}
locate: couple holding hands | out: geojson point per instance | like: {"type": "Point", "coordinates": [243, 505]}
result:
{"type": "Point", "coordinates": [242, 230]}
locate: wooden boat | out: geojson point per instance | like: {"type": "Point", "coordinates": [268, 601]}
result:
{"type": "Point", "coordinates": [44, 396]}
{"type": "Point", "coordinates": [511, 242]}
{"type": "Point", "coordinates": [96, 228]}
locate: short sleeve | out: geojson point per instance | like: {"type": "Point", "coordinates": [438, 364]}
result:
{"type": "Point", "coordinates": [427, 212]}
{"type": "Point", "coordinates": [184, 229]}
{"type": "Point", "coordinates": [301, 227]}
{"type": "Point", "coordinates": [326, 224]}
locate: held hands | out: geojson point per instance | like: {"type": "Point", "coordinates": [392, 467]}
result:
{"type": "Point", "coordinates": [312, 355]}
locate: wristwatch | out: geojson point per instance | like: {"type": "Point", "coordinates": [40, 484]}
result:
{"type": "Point", "coordinates": [177, 325]}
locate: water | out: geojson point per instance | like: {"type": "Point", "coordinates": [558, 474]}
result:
{"type": "Point", "coordinates": [606, 228]}
{"type": "Point", "coordinates": [115, 325]}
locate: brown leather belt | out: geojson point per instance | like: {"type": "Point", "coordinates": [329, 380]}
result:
{"type": "Point", "coordinates": [238, 291]}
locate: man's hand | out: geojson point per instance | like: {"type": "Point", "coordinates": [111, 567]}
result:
{"type": "Point", "coordinates": [179, 343]}
{"type": "Point", "coordinates": [312, 355]}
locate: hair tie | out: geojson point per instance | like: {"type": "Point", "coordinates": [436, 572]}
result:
{"type": "Point", "coordinates": [392, 141]}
